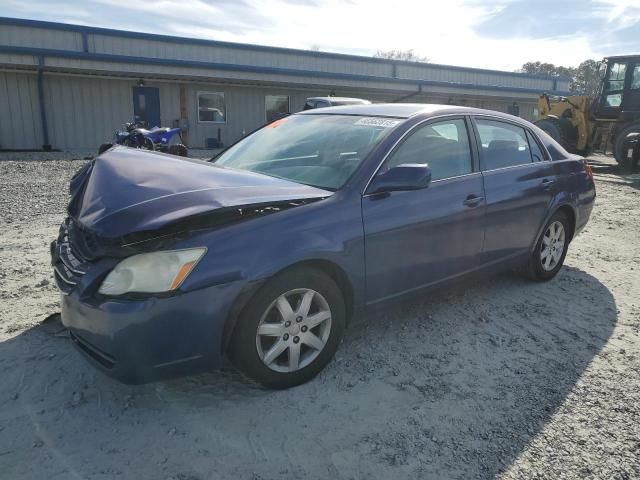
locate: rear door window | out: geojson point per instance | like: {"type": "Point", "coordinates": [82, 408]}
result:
{"type": "Point", "coordinates": [502, 144]}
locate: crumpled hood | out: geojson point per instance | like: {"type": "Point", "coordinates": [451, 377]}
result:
{"type": "Point", "coordinates": [127, 190]}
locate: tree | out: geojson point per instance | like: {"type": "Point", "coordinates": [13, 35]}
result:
{"type": "Point", "coordinates": [584, 79]}
{"type": "Point", "coordinates": [587, 78]}
{"type": "Point", "coordinates": [540, 68]}
{"type": "Point", "coordinates": [407, 55]}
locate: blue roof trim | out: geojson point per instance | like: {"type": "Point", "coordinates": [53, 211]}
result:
{"type": "Point", "coordinates": [244, 46]}
{"type": "Point", "coordinates": [256, 69]}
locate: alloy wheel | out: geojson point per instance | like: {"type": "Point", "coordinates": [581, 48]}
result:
{"type": "Point", "coordinates": [552, 246]}
{"type": "Point", "coordinates": [293, 330]}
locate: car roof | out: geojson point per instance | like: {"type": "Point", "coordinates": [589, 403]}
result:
{"type": "Point", "coordinates": [338, 99]}
{"type": "Point", "coordinates": [403, 110]}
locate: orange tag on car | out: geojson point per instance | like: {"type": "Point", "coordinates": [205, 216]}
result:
{"type": "Point", "coordinates": [276, 123]}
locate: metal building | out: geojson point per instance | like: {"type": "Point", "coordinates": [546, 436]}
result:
{"type": "Point", "coordinates": [69, 86]}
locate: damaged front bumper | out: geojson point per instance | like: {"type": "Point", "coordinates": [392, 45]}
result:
{"type": "Point", "coordinates": [144, 338]}
{"type": "Point", "coordinates": [138, 341]}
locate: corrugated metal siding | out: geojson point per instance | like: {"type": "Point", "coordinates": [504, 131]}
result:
{"type": "Point", "coordinates": [39, 38]}
{"type": "Point", "coordinates": [82, 112]}
{"type": "Point", "coordinates": [169, 102]}
{"type": "Point", "coordinates": [112, 44]}
{"type": "Point", "coordinates": [425, 72]}
{"type": "Point", "coordinates": [162, 49]}
{"type": "Point", "coordinates": [11, 59]}
{"type": "Point", "coordinates": [20, 126]}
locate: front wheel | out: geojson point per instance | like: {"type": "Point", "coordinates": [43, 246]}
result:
{"type": "Point", "coordinates": [548, 256]}
{"type": "Point", "coordinates": [137, 140]}
{"type": "Point", "coordinates": [290, 330]}
{"type": "Point", "coordinates": [561, 130]}
{"type": "Point", "coordinates": [620, 153]}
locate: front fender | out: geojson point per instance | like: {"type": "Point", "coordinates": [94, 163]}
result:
{"type": "Point", "coordinates": [329, 230]}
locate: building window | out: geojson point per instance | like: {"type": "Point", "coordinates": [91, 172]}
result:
{"type": "Point", "coordinates": [211, 107]}
{"type": "Point", "coordinates": [276, 106]}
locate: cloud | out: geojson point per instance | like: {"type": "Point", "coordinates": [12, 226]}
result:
{"type": "Point", "coordinates": [500, 34]}
{"type": "Point", "coordinates": [602, 27]}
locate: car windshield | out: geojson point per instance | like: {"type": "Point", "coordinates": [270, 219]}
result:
{"type": "Point", "coordinates": [318, 150]}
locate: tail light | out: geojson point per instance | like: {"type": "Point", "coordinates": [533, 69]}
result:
{"type": "Point", "coordinates": [588, 170]}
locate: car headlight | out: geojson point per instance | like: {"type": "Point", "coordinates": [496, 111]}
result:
{"type": "Point", "coordinates": [151, 272]}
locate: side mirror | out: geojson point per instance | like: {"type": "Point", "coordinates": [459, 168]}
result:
{"type": "Point", "coordinates": [633, 137]}
{"type": "Point", "coordinates": [408, 176]}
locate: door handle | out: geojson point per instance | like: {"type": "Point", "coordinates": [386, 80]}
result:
{"type": "Point", "coordinates": [547, 183]}
{"type": "Point", "coordinates": [473, 200]}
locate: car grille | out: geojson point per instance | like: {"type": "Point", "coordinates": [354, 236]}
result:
{"type": "Point", "coordinates": [68, 265]}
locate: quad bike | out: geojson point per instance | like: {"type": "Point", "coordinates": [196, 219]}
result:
{"type": "Point", "coordinates": [158, 139]}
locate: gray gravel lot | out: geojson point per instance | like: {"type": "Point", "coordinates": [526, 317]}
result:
{"type": "Point", "coordinates": [495, 378]}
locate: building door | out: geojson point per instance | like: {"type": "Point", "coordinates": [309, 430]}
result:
{"type": "Point", "coordinates": [146, 106]}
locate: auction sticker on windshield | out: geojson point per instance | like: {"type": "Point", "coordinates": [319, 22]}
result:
{"type": "Point", "coordinates": [377, 122]}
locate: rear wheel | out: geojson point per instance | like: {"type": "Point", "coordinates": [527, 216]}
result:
{"type": "Point", "coordinates": [179, 150]}
{"type": "Point", "coordinates": [290, 329]}
{"type": "Point", "coordinates": [548, 256]}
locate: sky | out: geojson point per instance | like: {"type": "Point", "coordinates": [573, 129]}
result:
{"type": "Point", "coordinates": [495, 34]}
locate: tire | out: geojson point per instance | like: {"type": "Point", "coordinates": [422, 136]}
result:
{"type": "Point", "coordinates": [104, 147]}
{"type": "Point", "coordinates": [138, 140]}
{"type": "Point", "coordinates": [561, 131]}
{"type": "Point", "coordinates": [283, 335]}
{"type": "Point", "coordinates": [179, 150]}
{"type": "Point", "coordinates": [543, 268]}
{"type": "Point", "coordinates": [619, 151]}
{"type": "Point", "coordinates": [147, 144]}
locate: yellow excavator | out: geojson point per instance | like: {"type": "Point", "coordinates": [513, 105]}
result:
{"type": "Point", "coordinates": [584, 124]}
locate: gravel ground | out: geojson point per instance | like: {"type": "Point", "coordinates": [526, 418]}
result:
{"type": "Point", "coordinates": [499, 378]}
{"type": "Point", "coordinates": [84, 155]}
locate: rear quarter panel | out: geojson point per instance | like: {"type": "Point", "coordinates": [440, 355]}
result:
{"type": "Point", "coordinates": [574, 189]}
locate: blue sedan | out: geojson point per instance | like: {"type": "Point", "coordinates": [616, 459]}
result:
{"type": "Point", "coordinates": [266, 252]}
